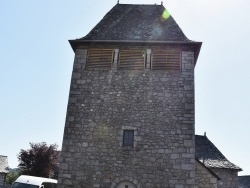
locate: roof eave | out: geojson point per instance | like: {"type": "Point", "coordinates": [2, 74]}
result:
{"type": "Point", "coordinates": [237, 169]}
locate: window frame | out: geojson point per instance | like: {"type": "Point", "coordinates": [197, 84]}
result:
{"type": "Point", "coordinates": [131, 142]}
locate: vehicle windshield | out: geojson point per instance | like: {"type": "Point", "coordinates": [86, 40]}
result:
{"type": "Point", "coordinates": [23, 185]}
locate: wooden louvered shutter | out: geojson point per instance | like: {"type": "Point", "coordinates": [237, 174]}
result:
{"type": "Point", "coordinates": [166, 60]}
{"type": "Point", "coordinates": [100, 58]}
{"type": "Point", "coordinates": [132, 59]}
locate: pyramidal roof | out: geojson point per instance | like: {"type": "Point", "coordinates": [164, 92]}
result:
{"type": "Point", "coordinates": [207, 153]}
{"type": "Point", "coordinates": [129, 22]}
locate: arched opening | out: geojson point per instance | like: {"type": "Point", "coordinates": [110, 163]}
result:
{"type": "Point", "coordinates": [125, 184]}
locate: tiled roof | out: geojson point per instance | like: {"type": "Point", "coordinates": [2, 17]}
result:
{"type": "Point", "coordinates": [243, 181]}
{"type": "Point", "coordinates": [210, 156]}
{"type": "Point", "coordinates": [4, 164]}
{"type": "Point", "coordinates": [137, 23]}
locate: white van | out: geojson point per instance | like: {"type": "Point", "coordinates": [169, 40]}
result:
{"type": "Point", "coordinates": [24, 181]}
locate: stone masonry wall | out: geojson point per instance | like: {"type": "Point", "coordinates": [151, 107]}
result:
{"type": "Point", "coordinates": [229, 178]}
{"type": "Point", "coordinates": [203, 178]}
{"type": "Point", "coordinates": [157, 105]}
{"type": "Point", "coordinates": [2, 179]}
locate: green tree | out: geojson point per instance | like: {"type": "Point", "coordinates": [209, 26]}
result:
{"type": "Point", "coordinates": [40, 160]}
{"type": "Point", "coordinates": [12, 176]}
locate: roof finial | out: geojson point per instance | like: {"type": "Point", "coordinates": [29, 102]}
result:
{"type": "Point", "coordinates": [117, 1]}
{"type": "Point", "coordinates": [161, 2]}
{"type": "Point", "coordinates": [205, 134]}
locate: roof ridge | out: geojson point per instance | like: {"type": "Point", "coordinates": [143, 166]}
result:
{"type": "Point", "coordinates": [140, 4]}
{"type": "Point", "coordinates": [215, 147]}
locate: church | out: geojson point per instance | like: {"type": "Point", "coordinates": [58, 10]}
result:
{"type": "Point", "coordinates": [130, 119]}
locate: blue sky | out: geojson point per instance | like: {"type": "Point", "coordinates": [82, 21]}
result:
{"type": "Point", "coordinates": [36, 63]}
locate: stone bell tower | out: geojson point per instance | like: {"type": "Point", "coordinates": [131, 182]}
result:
{"type": "Point", "coordinates": [130, 115]}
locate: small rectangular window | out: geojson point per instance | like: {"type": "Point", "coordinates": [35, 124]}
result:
{"type": "Point", "coordinates": [128, 138]}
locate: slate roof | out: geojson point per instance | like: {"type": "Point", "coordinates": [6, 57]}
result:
{"type": "Point", "coordinates": [4, 167]}
{"type": "Point", "coordinates": [210, 156]}
{"type": "Point", "coordinates": [137, 23]}
{"type": "Point", "coordinates": [127, 24]}
{"type": "Point", "coordinates": [243, 181]}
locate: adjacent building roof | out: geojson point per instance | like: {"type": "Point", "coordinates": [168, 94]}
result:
{"type": "Point", "coordinates": [4, 167]}
{"type": "Point", "coordinates": [243, 181]}
{"type": "Point", "coordinates": [137, 23]}
{"type": "Point", "coordinates": [210, 156]}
